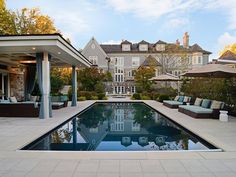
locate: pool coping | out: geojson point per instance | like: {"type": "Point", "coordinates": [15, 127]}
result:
{"type": "Point", "coordinates": [20, 149]}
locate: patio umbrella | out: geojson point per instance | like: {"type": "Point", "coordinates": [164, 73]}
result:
{"type": "Point", "coordinates": [143, 141]}
{"type": "Point", "coordinates": [212, 70]}
{"type": "Point", "coordinates": [126, 141]}
{"type": "Point", "coordinates": [165, 77]}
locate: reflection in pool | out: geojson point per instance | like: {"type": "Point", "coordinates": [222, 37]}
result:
{"type": "Point", "coordinates": [119, 127]}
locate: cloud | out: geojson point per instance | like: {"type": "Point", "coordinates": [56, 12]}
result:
{"type": "Point", "coordinates": [176, 23]}
{"type": "Point", "coordinates": [155, 9]}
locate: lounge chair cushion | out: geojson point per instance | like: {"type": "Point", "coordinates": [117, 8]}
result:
{"type": "Point", "coordinates": [172, 102]}
{"type": "Point", "coordinates": [4, 101]}
{"type": "Point", "coordinates": [198, 102]}
{"type": "Point", "coordinates": [13, 99]}
{"type": "Point", "coordinates": [206, 103]}
{"type": "Point", "coordinates": [197, 109]}
{"type": "Point", "coordinates": [186, 99]}
{"type": "Point", "coordinates": [181, 98]}
{"type": "Point", "coordinates": [216, 104]}
{"type": "Point", "coordinates": [57, 103]}
{"type": "Point", "coordinates": [176, 98]}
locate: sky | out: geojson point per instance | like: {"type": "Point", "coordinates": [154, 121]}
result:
{"type": "Point", "coordinates": [210, 23]}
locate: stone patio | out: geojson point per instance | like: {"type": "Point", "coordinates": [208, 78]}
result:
{"type": "Point", "coordinates": [17, 132]}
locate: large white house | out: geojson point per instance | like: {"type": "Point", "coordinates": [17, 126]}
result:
{"type": "Point", "coordinates": [122, 59]}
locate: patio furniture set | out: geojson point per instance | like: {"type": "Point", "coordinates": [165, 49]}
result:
{"type": "Point", "coordinates": [12, 108]}
{"type": "Point", "coordinates": [200, 108]}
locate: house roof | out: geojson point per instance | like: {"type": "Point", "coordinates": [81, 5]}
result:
{"type": "Point", "coordinates": [160, 42]}
{"type": "Point", "coordinates": [228, 55]}
{"type": "Point", "coordinates": [197, 48]}
{"type": "Point", "coordinates": [151, 61]}
{"type": "Point", "coordinates": [143, 42]}
{"type": "Point", "coordinates": [126, 42]}
{"type": "Point", "coordinates": [24, 47]}
{"type": "Point", "coordinates": [170, 47]}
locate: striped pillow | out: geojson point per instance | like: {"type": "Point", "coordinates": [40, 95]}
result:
{"type": "Point", "coordinates": [216, 104]}
{"type": "Point", "coordinates": [198, 102]}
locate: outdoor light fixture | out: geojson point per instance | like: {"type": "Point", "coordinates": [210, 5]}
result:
{"type": "Point", "coordinates": [59, 53]}
{"type": "Point", "coordinates": [33, 48]}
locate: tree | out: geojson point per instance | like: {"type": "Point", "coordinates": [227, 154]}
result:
{"type": "Point", "coordinates": [26, 21]}
{"type": "Point", "coordinates": [2, 4]}
{"type": "Point", "coordinates": [142, 76]}
{"type": "Point", "coordinates": [231, 48]}
{"type": "Point", "coordinates": [89, 77]}
{"type": "Point", "coordinates": [173, 57]}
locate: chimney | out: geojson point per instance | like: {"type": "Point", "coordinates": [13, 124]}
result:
{"type": "Point", "coordinates": [186, 40]}
{"type": "Point", "coordinates": [177, 42]}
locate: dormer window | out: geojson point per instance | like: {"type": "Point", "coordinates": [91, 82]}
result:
{"type": "Point", "coordinates": [143, 46]}
{"type": "Point", "coordinates": [160, 45]}
{"type": "Point", "coordinates": [126, 45]}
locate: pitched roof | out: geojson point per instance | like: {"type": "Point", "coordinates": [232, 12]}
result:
{"type": "Point", "coordinates": [160, 42]}
{"type": "Point", "coordinates": [126, 42]}
{"type": "Point", "coordinates": [197, 48]}
{"type": "Point", "coordinates": [228, 55]}
{"type": "Point", "coordinates": [170, 47]}
{"type": "Point", "coordinates": [143, 42]}
{"type": "Point", "coordinates": [151, 61]}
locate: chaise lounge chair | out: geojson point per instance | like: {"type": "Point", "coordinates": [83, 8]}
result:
{"type": "Point", "coordinates": [179, 100]}
{"type": "Point", "coordinates": [202, 108]}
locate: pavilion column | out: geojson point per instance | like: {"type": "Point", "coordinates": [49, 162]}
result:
{"type": "Point", "coordinates": [74, 86]}
{"type": "Point", "coordinates": [43, 73]}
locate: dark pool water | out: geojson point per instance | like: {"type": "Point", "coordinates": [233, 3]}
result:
{"type": "Point", "coordinates": [119, 127]}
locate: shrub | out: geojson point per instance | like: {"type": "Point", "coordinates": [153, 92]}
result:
{"type": "Point", "coordinates": [144, 97]}
{"type": "Point", "coordinates": [136, 96]}
{"type": "Point", "coordinates": [100, 87]}
{"type": "Point", "coordinates": [81, 98]}
{"type": "Point", "coordinates": [104, 98]}
{"type": "Point", "coordinates": [163, 97]}
{"type": "Point", "coordinates": [87, 94]}
{"type": "Point", "coordinates": [94, 97]}
{"type": "Point", "coordinates": [101, 96]}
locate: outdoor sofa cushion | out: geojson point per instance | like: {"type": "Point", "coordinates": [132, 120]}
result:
{"type": "Point", "coordinates": [57, 103]}
{"type": "Point", "coordinates": [206, 103]}
{"type": "Point", "coordinates": [172, 102]}
{"type": "Point", "coordinates": [176, 98]}
{"type": "Point", "coordinates": [197, 109]}
{"type": "Point", "coordinates": [216, 104]}
{"type": "Point", "coordinates": [181, 98]}
{"type": "Point", "coordinates": [186, 99]}
{"type": "Point", "coordinates": [13, 99]}
{"type": "Point", "coordinates": [4, 101]}
{"type": "Point", "coordinates": [198, 102]}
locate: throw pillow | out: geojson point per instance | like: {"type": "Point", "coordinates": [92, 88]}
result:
{"type": "Point", "coordinates": [13, 99]}
{"type": "Point", "coordinates": [216, 104]}
{"type": "Point", "coordinates": [206, 103]}
{"type": "Point", "coordinates": [176, 98]}
{"type": "Point", "coordinates": [198, 102]}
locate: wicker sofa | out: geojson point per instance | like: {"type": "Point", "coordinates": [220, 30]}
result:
{"type": "Point", "coordinates": [206, 109]}
{"type": "Point", "coordinates": [179, 100]}
{"type": "Point", "coordinates": [19, 109]}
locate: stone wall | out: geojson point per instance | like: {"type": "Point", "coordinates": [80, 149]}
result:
{"type": "Point", "coordinates": [17, 86]}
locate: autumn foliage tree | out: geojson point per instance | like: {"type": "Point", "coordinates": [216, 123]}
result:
{"type": "Point", "coordinates": [231, 48]}
{"type": "Point", "coordinates": [142, 78]}
{"type": "Point", "coordinates": [25, 21]}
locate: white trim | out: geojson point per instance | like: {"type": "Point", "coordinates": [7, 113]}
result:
{"type": "Point", "coordinates": [227, 61]}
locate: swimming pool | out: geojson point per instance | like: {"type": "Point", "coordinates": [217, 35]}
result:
{"type": "Point", "coordinates": [119, 127]}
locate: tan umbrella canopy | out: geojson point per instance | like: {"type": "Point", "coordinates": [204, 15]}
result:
{"type": "Point", "coordinates": [212, 70]}
{"type": "Point", "coordinates": [165, 77]}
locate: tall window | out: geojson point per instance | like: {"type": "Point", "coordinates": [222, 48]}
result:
{"type": "Point", "coordinates": [135, 61]}
{"type": "Point", "coordinates": [93, 60]}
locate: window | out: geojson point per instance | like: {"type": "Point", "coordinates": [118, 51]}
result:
{"type": "Point", "coordinates": [199, 60]}
{"type": "Point", "coordinates": [126, 47]}
{"type": "Point", "coordinates": [131, 73]}
{"type": "Point", "coordinates": [135, 61]}
{"type": "Point", "coordinates": [119, 61]}
{"type": "Point", "coordinates": [143, 47]}
{"type": "Point", "coordinates": [93, 60]}
{"type": "Point", "coordinates": [160, 47]}
{"type": "Point", "coordinates": [93, 46]}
